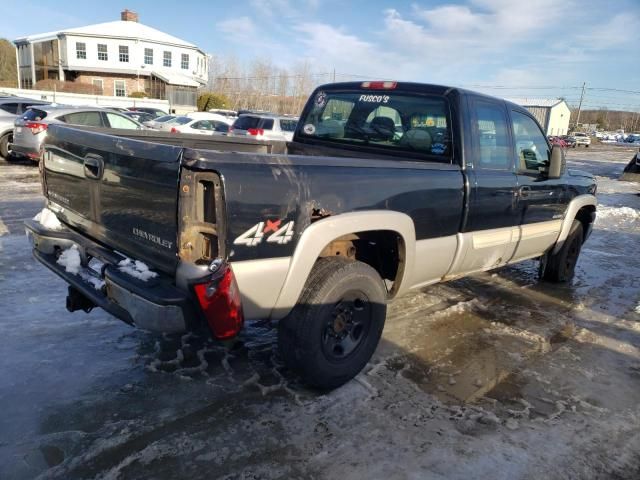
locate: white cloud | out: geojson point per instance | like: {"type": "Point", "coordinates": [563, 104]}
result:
{"type": "Point", "coordinates": [238, 28]}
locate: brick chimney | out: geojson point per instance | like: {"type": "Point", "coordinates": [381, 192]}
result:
{"type": "Point", "coordinates": [128, 16]}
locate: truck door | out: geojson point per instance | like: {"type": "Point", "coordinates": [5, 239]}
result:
{"type": "Point", "coordinates": [539, 199]}
{"type": "Point", "coordinates": [490, 232]}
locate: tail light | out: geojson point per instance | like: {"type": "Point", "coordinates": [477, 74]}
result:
{"type": "Point", "coordinates": [35, 127]}
{"type": "Point", "coordinates": [174, 130]}
{"type": "Point", "coordinates": [379, 85]}
{"type": "Point", "coordinates": [255, 131]}
{"type": "Point", "coordinates": [219, 299]}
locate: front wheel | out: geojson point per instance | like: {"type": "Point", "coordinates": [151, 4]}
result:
{"type": "Point", "coordinates": [334, 329]}
{"type": "Point", "coordinates": [561, 266]}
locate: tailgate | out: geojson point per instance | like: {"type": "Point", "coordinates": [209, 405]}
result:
{"type": "Point", "coordinates": [120, 192]}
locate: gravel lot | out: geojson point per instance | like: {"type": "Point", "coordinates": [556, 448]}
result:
{"type": "Point", "coordinates": [493, 376]}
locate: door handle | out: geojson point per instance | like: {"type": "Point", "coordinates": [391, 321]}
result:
{"type": "Point", "coordinates": [524, 191]}
{"type": "Point", "coordinates": [93, 166]}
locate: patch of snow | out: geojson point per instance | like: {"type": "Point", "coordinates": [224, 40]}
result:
{"type": "Point", "coordinates": [70, 260]}
{"type": "Point", "coordinates": [48, 219]}
{"type": "Point", "coordinates": [617, 212]}
{"type": "Point", "coordinates": [136, 269]}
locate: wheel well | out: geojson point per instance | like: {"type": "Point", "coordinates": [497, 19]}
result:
{"type": "Point", "coordinates": [586, 216]}
{"type": "Point", "coordinates": [381, 249]}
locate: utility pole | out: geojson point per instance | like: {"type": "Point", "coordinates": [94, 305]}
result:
{"type": "Point", "coordinates": [580, 104]}
{"type": "Point", "coordinates": [334, 75]}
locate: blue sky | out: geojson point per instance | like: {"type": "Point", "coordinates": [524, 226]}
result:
{"type": "Point", "coordinates": [481, 44]}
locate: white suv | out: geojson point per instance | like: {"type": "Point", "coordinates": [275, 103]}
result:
{"type": "Point", "coordinates": [582, 139]}
{"type": "Point", "coordinates": [264, 127]}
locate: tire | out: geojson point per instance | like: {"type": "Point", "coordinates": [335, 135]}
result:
{"type": "Point", "coordinates": [334, 329]}
{"type": "Point", "coordinates": [561, 266]}
{"type": "Point", "coordinates": [5, 152]}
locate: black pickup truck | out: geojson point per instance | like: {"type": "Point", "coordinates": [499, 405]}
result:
{"type": "Point", "coordinates": [385, 187]}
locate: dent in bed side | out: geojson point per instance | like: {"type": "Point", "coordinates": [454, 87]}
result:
{"type": "Point", "coordinates": [321, 233]}
{"type": "Point", "coordinates": [577, 203]}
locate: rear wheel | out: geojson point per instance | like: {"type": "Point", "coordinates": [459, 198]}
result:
{"type": "Point", "coordinates": [561, 266]}
{"type": "Point", "coordinates": [5, 150]}
{"type": "Point", "coordinates": [336, 326]}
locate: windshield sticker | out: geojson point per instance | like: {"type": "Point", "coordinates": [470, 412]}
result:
{"type": "Point", "coordinates": [321, 99]}
{"type": "Point", "coordinates": [309, 129]}
{"type": "Point", "coordinates": [374, 98]}
{"type": "Point", "coordinates": [438, 148]}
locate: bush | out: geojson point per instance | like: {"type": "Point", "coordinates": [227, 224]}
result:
{"type": "Point", "coordinates": [138, 95]}
{"type": "Point", "coordinates": [210, 100]}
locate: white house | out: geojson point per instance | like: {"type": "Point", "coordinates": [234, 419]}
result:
{"type": "Point", "coordinates": [552, 113]}
{"type": "Point", "coordinates": [115, 58]}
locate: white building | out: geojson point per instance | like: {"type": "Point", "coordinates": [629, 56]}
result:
{"type": "Point", "coordinates": [114, 58]}
{"type": "Point", "coordinates": [552, 114]}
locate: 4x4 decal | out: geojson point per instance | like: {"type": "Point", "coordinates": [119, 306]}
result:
{"type": "Point", "coordinates": [278, 234]}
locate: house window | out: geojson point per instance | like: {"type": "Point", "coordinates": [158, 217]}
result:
{"type": "Point", "coordinates": [98, 83]}
{"type": "Point", "coordinates": [184, 61]}
{"type": "Point", "coordinates": [166, 60]}
{"type": "Point", "coordinates": [120, 88]}
{"type": "Point", "coordinates": [148, 56]}
{"type": "Point", "coordinates": [102, 52]}
{"type": "Point", "coordinates": [81, 50]}
{"type": "Point", "coordinates": [123, 51]}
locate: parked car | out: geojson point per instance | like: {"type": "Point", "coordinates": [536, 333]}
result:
{"type": "Point", "coordinates": [264, 127]}
{"type": "Point", "coordinates": [203, 125]}
{"type": "Point", "coordinates": [569, 141]}
{"type": "Point", "coordinates": [174, 122]}
{"type": "Point", "coordinates": [156, 122]}
{"type": "Point", "coordinates": [581, 139]}
{"type": "Point", "coordinates": [139, 117]}
{"type": "Point", "coordinates": [320, 240]}
{"type": "Point", "coordinates": [633, 138]}
{"type": "Point", "coordinates": [230, 114]}
{"type": "Point", "coordinates": [559, 141]}
{"type": "Point", "coordinates": [11, 108]}
{"type": "Point", "coordinates": [156, 112]}
{"type": "Point", "coordinates": [30, 129]}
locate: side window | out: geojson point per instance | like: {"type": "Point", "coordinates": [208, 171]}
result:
{"type": "Point", "coordinates": [10, 108]}
{"type": "Point", "coordinates": [90, 119]}
{"type": "Point", "coordinates": [119, 121]}
{"type": "Point", "coordinates": [267, 124]}
{"type": "Point", "coordinates": [202, 125]}
{"type": "Point", "coordinates": [532, 149]}
{"type": "Point", "coordinates": [221, 127]}
{"type": "Point", "coordinates": [490, 129]}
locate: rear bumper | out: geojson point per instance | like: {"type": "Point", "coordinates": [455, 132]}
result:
{"type": "Point", "coordinates": [28, 152]}
{"type": "Point", "coordinates": [155, 305]}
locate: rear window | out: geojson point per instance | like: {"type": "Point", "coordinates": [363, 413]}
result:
{"type": "Point", "coordinates": [181, 120]}
{"type": "Point", "coordinates": [267, 124]}
{"type": "Point", "coordinates": [398, 122]}
{"type": "Point", "coordinates": [246, 122]}
{"type": "Point", "coordinates": [34, 114]}
{"type": "Point", "coordinates": [288, 125]}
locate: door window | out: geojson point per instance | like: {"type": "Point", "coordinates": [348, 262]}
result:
{"type": "Point", "coordinates": [119, 121]}
{"type": "Point", "coordinates": [490, 126]}
{"type": "Point", "coordinates": [10, 108]}
{"type": "Point", "coordinates": [202, 125]}
{"type": "Point", "coordinates": [532, 149]}
{"type": "Point", "coordinates": [91, 119]}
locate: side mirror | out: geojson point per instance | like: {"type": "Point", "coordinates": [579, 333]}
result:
{"type": "Point", "coordinates": [557, 162]}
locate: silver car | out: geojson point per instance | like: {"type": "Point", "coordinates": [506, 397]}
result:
{"type": "Point", "coordinates": [31, 128]}
{"type": "Point", "coordinates": [10, 109]}
{"type": "Point", "coordinates": [264, 127]}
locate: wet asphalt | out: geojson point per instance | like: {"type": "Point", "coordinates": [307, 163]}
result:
{"type": "Point", "coordinates": [493, 376]}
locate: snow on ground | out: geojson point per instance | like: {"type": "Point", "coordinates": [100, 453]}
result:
{"type": "Point", "coordinates": [493, 376]}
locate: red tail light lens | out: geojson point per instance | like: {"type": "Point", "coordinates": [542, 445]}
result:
{"type": "Point", "coordinates": [220, 301]}
{"type": "Point", "coordinates": [174, 130]}
{"type": "Point", "coordinates": [255, 131]}
{"type": "Point", "coordinates": [35, 127]}
{"type": "Point", "coordinates": [380, 85]}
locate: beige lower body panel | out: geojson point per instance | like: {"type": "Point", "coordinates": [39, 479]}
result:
{"type": "Point", "coordinates": [260, 283]}
{"type": "Point", "coordinates": [432, 260]}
